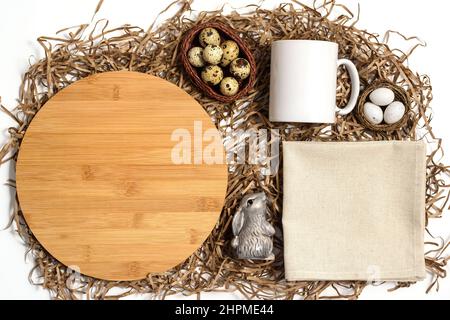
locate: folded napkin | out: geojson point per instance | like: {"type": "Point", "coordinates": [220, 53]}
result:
{"type": "Point", "coordinates": [354, 210]}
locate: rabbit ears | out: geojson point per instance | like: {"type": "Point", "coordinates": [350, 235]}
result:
{"type": "Point", "coordinates": [238, 221]}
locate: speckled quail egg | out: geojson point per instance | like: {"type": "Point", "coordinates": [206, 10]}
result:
{"type": "Point", "coordinates": [209, 36]}
{"type": "Point", "coordinates": [212, 75]}
{"type": "Point", "coordinates": [195, 57]}
{"type": "Point", "coordinates": [394, 112]}
{"type": "Point", "coordinates": [240, 68]}
{"type": "Point", "coordinates": [229, 86]}
{"type": "Point", "coordinates": [373, 113]}
{"type": "Point", "coordinates": [230, 52]}
{"type": "Point", "coordinates": [212, 54]}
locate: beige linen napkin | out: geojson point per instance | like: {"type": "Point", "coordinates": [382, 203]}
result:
{"type": "Point", "coordinates": [354, 210]}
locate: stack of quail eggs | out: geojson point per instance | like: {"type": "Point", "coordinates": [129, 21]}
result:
{"type": "Point", "coordinates": [383, 107]}
{"type": "Point", "coordinates": [213, 56]}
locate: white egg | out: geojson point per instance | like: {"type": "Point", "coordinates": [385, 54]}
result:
{"type": "Point", "coordinates": [382, 96]}
{"type": "Point", "coordinates": [394, 112]}
{"type": "Point", "coordinates": [373, 113]}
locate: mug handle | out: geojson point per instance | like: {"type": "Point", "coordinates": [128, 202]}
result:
{"type": "Point", "coordinates": [354, 77]}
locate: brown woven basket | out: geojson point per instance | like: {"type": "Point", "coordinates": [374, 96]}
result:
{"type": "Point", "coordinates": [190, 40]}
{"type": "Point", "coordinates": [400, 95]}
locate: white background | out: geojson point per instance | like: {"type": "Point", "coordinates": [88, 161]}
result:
{"type": "Point", "coordinates": [22, 21]}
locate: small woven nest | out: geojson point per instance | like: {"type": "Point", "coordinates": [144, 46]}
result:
{"type": "Point", "coordinates": [190, 40]}
{"type": "Point", "coordinates": [400, 95]}
{"type": "Point", "coordinates": [79, 52]}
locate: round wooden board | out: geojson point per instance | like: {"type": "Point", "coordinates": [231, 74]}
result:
{"type": "Point", "coordinates": [97, 184]}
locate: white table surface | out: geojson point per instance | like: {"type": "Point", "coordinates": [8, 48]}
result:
{"type": "Point", "coordinates": [22, 21]}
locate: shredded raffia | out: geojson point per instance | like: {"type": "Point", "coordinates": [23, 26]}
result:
{"type": "Point", "coordinates": [75, 53]}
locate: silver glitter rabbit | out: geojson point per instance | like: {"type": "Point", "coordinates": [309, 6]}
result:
{"type": "Point", "coordinates": [252, 233]}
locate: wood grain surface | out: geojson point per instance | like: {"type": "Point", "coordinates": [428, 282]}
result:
{"type": "Point", "coordinates": [97, 184]}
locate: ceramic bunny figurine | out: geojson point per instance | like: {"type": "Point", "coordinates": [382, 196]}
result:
{"type": "Point", "coordinates": [252, 233]}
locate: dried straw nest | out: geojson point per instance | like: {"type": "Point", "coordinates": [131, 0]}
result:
{"type": "Point", "coordinates": [400, 95]}
{"type": "Point", "coordinates": [77, 53]}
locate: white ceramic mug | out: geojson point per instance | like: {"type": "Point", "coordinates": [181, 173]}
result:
{"type": "Point", "coordinates": [303, 81]}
